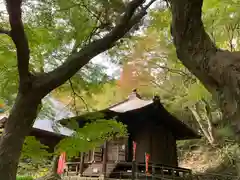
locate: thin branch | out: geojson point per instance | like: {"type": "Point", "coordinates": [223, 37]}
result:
{"type": "Point", "coordinates": [94, 15]}
{"type": "Point", "coordinates": [77, 60]}
{"type": "Point", "coordinates": [176, 71]}
{"type": "Point", "coordinates": [97, 16]}
{"type": "Point", "coordinates": [19, 38]}
{"type": "Point", "coordinates": [76, 94]}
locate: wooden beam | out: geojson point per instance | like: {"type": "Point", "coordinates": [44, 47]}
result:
{"type": "Point", "coordinates": [117, 153]}
{"type": "Point", "coordinates": [81, 168]}
{"type": "Point", "coordinates": [89, 155]}
{"type": "Point", "coordinates": [130, 148]}
{"type": "Point", "coordinates": [134, 169]}
{"type": "Point", "coordinates": [93, 155]}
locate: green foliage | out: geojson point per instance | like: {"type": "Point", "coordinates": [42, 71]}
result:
{"type": "Point", "coordinates": [224, 29]}
{"type": "Point", "coordinates": [33, 169]}
{"type": "Point", "coordinates": [226, 133]}
{"type": "Point", "coordinates": [34, 150]}
{"type": "Point", "coordinates": [58, 28]}
{"type": "Point", "coordinates": [90, 136]}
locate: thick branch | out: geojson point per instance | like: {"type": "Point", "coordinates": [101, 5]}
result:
{"type": "Point", "coordinates": [193, 45]}
{"type": "Point", "coordinates": [19, 38]}
{"type": "Point", "coordinates": [218, 70]}
{"type": "Point", "coordinates": [77, 60]}
{"type": "Point", "coordinates": [197, 117]}
{"type": "Point", "coordinates": [209, 119]}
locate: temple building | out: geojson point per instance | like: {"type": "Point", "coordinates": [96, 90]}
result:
{"type": "Point", "coordinates": [153, 129]}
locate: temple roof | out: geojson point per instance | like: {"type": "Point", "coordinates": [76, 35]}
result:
{"type": "Point", "coordinates": [48, 126]}
{"type": "Point", "coordinates": [52, 127]}
{"type": "Point", "coordinates": [134, 108]}
{"type": "Point", "coordinates": [132, 103]}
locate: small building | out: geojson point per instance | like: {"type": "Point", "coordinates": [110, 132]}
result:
{"type": "Point", "coordinates": [150, 125]}
{"type": "Point", "coordinates": [43, 130]}
{"type": "Point", "coordinates": [48, 132]}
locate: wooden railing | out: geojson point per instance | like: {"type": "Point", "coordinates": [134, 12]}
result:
{"type": "Point", "coordinates": [156, 171]}
{"type": "Point", "coordinates": [164, 170]}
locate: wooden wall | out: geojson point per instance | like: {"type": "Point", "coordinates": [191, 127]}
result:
{"type": "Point", "coordinates": [159, 142]}
{"type": "Point", "coordinates": [117, 149]}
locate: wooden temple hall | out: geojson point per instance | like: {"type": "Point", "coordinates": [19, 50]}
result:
{"type": "Point", "coordinates": [153, 130]}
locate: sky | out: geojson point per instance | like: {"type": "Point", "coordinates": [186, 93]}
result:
{"type": "Point", "coordinates": [111, 68]}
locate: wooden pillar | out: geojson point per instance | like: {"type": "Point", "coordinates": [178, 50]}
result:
{"type": "Point", "coordinates": [81, 168]}
{"type": "Point", "coordinates": [89, 155]}
{"type": "Point", "coordinates": [153, 171]}
{"type": "Point", "coordinates": [117, 153]}
{"type": "Point", "coordinates": [134, 169]}
{"type": "Point", "coordinates": [93, 155]}
{"type": "Point", "coordinates": [130, 148]}
{"type": "Point", "coordinates": [104, 162]}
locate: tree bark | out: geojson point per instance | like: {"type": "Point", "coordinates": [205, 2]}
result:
{"type": "Point", "coordinates": [17, 127]}
{"type": "Point", "coordinates": [218, 70]}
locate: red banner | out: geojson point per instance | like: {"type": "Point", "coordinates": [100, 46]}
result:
{"type": "Point", "coordinates": [147, 157]}
{"type": "Point", "coordinates": [61, 163]}
{"type": "Point", "coordinates": [134, 150]}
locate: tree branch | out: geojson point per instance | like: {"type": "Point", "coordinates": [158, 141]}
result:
{"type": "Point", "coordinates": [192, 43]}
{"type": "Point", "coordinates": [76, 94]}
{"type": "Point", "coordinates": [198, 118]}
{"type": "Point", "coordinates": [19, 38]}
{"type": "Point", "coordinates": [77, 60]}
{"type": "Point", "coordinates": [218, 70]}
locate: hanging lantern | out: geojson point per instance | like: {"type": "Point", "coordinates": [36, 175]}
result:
{"type": "Point", "coordinates": [147, 157]}
{"type": "Point", "coordinates": [134, 150]}
{"type": "Point", "coordinates": [61, 163]}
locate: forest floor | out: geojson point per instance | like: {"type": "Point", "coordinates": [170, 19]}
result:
{"type": "Point", "coordinates": [207, 160]}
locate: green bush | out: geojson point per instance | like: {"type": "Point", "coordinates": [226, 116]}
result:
{"type": "Point", "coordinates": [24, 178]}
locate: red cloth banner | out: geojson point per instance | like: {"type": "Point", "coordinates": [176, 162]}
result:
{"type": "Point", "coordinates": [61, 163]}
{"type": "Point", "coordinates": [147, 157]}
{"type": "Point", "coordinates": [134, 150]}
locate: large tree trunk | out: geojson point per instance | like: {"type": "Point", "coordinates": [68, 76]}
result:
{"type": "Point", "coordinates": [217, 69]}
{"type": "Point", "coordinates": [17, 127]}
